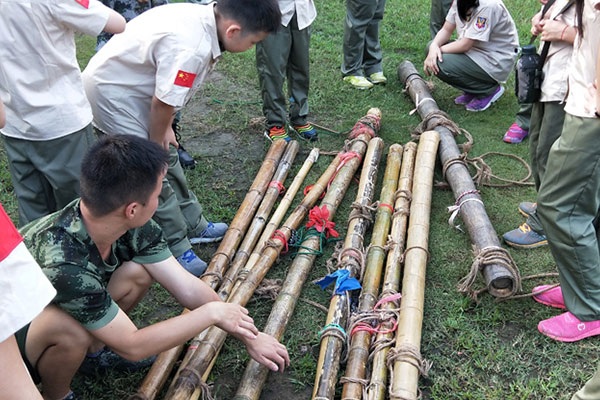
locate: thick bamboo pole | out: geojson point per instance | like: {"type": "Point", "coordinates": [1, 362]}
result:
{"type": "Point", "coordinates": [361, 340]}
{"type": "Point", "coordinates": [161, 368]}
{"type": "Point", "coordinates": [242, 218]}
{"type": "Point", "coordinates": [190, 377]}
{"type": "Point", "coordinates": [406, 354]}
{"type": "Point", "coordinates": [351, 259]}
{"type": "Point", "coordinates": [500, 281]}
{"type": "Point", "coordinates": [391, 280]}
{"type": "Point", "coordinates": [255, 374]}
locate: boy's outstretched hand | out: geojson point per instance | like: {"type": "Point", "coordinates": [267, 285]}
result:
{"type": "Point", "coordinates": [233, 319]}
{"type": "Point", "coordinates": [266, 350]}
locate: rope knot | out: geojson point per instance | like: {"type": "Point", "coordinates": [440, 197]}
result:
{"type": "Point", "coordinates": [277, 185]}
{"type": "Point", "coordinates": [319, 219]}
{"type": "Point", "coordinates": [368, 125]}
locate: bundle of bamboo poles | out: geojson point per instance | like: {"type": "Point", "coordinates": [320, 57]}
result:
{"type": "Point", "coordinates": [405, 357]}
{"type": "Point", "coordinates": [255, 374]}
{"type": "Point", "coordinates": [190, 378]}
{"type": "Point", "coordinates": [161, 368]}
{"type": "Point", "coordinates": [351, 259]}
{"type": "Point", "coordinates": [498, 269]}
{"type": "Point", "coordinates": [361, 340]}
{"type": "Point", "coordinates": [391, 280]}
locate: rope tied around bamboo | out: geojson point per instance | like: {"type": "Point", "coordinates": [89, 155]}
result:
{"type": "Point", "coordinates": [437, 118]}
{"type": "Point", "coordinates": [411, 355]}
{"type": "Point", "coordinates": [368, 125]}
{"type": "Point", "coordinates": [490, 256]}
{"type": "Point", "coordinates": [318, 225]}
{"type": "Point", "coordinates": [455, 209]}
{"type": "Point", "coordinates": [363, 211]}
{"type": "Point", "coordinates": [406, 195]}
{"type": "Point", "coordinates": [195, 380]}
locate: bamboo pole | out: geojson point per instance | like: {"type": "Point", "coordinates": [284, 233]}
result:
{"type": "Point", "coordinates": [351, 259]}
{"type": "Point", "coordinates": [190, 377]}
{"type": "Point", "coordinates": [158, 373]}
{"type": "Point", "coordinates": [406, 354]}
{"type": "Point", "coordinates": [391, 281]}
{"type": "Point", "coordinates": [500, 280]}
{"type": "Point", "coordinates": [255, 374]}
{"type": "Point", "coordinates": [361, 340]}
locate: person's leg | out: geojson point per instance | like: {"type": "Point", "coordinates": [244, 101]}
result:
{"type": "Point", "coordinates": [437, 15]}
{"type": "Point", "coordinates": [272, 55]}
{"type": "Point", "coordinates": [591, 389]}
{"type": "Point", "coordinates": [524, 115]}
{"type": "Point", "coordinates": [568, 204]}
{"type": "Point", "coordinates": [34, 193]}
{"type": "Point", "coordinates": [460, 71]}
{"type": "Point", "coordinates": [373, 56]}
{"type": "Point", "coordinates": [358, 16]}
{"type": "Point", "coordinates": [55, 345]}
{"type": "Point", "coordinates": [550, 130]}
{"type": "Point", "coordinates": [15, 381]}
{"type": "Point", "coordinates": [298, 74]}
{"type": "Point", "coordinates": [129, 284]}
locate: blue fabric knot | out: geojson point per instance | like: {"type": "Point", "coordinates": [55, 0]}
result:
{"type": "Point", "coordinates": [343, 281]}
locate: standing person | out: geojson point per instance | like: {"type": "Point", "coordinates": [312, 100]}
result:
{"type": "Point", "coordinates": [102, 252]}
{"type": "Point", "coordinates": [362, 47]}
{"type": "Point", "coordinates": [285, 53]}
{"type": "Point", "coordinates": [437, 15]}
{"type": "Point", "coordinates": [48, 116]}
{"type": "Point", "coordinates": [25, 293]}
{"type": "Point", "coordinates": [569, 196]}
{"type": "Point", "coordinates": [141, 78]}
{"type": "Point", "coordinates": [547, 116]}
{"type": "Point", "coordinates": [483, 55]}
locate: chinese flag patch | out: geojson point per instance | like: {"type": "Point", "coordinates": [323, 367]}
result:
{"type": "Point", "coordinates": [85, 3]}
{"type": "Point", "coordinates": [183, 78]}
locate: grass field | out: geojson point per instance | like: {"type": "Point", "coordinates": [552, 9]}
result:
{"type": "Point", "coordinates": [488, 350]}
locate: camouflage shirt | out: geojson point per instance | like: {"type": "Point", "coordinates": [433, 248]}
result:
{"type": "Point", "coordinates": [63, 248]}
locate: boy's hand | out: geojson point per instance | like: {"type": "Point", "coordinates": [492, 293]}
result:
{"type": "Point", "coordinates": [233, 319]}
{"type": "Point", "coordinates": [266, 350]}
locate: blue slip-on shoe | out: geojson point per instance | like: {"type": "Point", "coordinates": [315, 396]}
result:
{"type": "Point", "coordinates": [524, 238]}
{"type": "Point", "coordinates": [192, 263]}
{"type": "Point", "coordinates": [212, 233]}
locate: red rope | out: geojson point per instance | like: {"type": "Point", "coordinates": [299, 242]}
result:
{"type": "Point", "coordinates": [368, 125]}
{"type": "Point", "coordinates": [344, 157]}
{"type": "Point", "coordinates": [387, 205]}
{"type": "Point", "coordinates": [319, 219]}
{"type": "Point", "coordinates": [309, 187]}
{"type": "Point", "coordinates": [281, 237]}
{"type": "Point", "coordinates": [278, 185]}
{"type": "Point", "coordinates": [364, 327]}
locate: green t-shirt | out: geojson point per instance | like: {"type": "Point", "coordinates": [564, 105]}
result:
{"type": "Point", "coordinates": [63, 248]}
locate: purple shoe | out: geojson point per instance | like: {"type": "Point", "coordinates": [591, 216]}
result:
{"type": "Point", "coordinates": [515, 134]}
{"type": "Point", "coordinates": [464, 98]}
{"type": "Point", "coordinates": [485, 102]}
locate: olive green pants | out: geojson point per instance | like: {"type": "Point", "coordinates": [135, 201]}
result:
{"type": "Point", "coordinates": [45, 173]}
{"type": "Point", "coordinates": [591, 389]}
{"type": "Point", "coordinates": [523, 118]}
{"type": "Point", "coordinates": [437, 15]}
{"type": "Point", "coordinates": [362, 48]}
{"type": "Point", "coordinates": [547, 121]}
{"type": "Point", "coordinates": [284, 53]}
{"type": "Point", "coordinates": [568, 204]}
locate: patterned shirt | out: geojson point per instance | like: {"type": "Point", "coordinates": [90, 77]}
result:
{"type": "Point", "coordinates": [63, 248]}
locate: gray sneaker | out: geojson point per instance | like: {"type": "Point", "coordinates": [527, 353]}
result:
{"type": "Point", "coordinates": [192, 263]}
{"type": "Point", "coordinates": [213, 233]}
{"type": "Point", "coordinates": [526, 208]}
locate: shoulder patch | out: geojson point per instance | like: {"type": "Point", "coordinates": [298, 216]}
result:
{"type": "Point", "coordinates": [84, 3]}
{"type": "Point", "coordinates": [481, 23]}
{"type": "Point", "coordinates": [185, 79]}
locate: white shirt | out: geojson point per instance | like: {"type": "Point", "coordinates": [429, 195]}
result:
{"type": "Point", "coordinates": [556, 71]}
{"type": "Point", "coordinates": [305, 10]}
{"type": "Point", "coordinates": [40, 80]}
{"type": "Point", "coordinates": [496, 40]}
{"type": "Point", "coordinates": [167, 51]}
{"type": "Point", "coordinates": [582, 71]}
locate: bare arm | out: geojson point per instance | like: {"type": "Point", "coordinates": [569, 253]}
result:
{"type": "Point", "coordinates": [553, 30]}
{"type": "Point", "coordinates": [435, 52]}
{"type": "Point", "coordinates": [161, 117]}
{"type": "Point", "coordinates": [459, 46]}
{"type": "Point", "coordinates": [115, 23]}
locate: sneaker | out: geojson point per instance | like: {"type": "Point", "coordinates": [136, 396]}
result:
{"type": "Point", "coordinates": [105, 360]}
{"type": "Point", "coordinates": [70, 396]}
{"type": "Point", "coordinates": [515, 134]}
{"type": "Point", "coordinates": [185, 159]}
{"type": "Point", "coordinates": [464, 98]}
{"type": "Point", "coordinates": [212, 233]}
{"type": "Point", "coordinates": [568, 328]}
{"type": "Point", "coordinates": [377, 78]}
{"type": "Point", "coordinates": [359, 82]}
{"type": "Point", "coordinates": [192, 263]}
{"type": "Point", "coordinates": [552, 297]}
{"type": "Point", "coordinates": [306, 131]}
{"type": "Point", "coordinates": [527, 208]}
{"type": "Point", "coordinates": [277, 132]}
{"type": "Point", "coordinates": [523, 237]}
{"type": "Point", "coordinates": [485, 102]}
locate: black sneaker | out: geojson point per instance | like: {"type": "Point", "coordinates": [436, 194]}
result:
{"type": "Point", "coordinates": [109, 360]}
{"type": "Point", "coordinates": [185, 158]}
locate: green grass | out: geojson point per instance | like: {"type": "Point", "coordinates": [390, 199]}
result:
{"type": "Point", "coordinates": [481, 351]}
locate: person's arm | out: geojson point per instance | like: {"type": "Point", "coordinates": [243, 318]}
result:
{"type": "Point", "coordinates": [161, 117]}
{"type": "Point", "coordinates": [435, 53]}
{"type": "Point", "coordinates": [553, 30]}
{"type": "Point", "coordinates": [115, 23]}
{"type": "Point", "coordinates": [458, 46]}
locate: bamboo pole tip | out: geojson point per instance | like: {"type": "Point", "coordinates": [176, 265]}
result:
{"type": "Point", "coordinates": [410, 146]}
{"type": "Point", "coordinates": [374, 111]}
{"type": "Point", "coordinates": [396, 148]}
{"type": "Point", "coordinates": [430, 135]}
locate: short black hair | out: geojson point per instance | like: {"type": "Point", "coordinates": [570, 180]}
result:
{"type": "Point", "coordinates": [463, 7]}
{"type": "Point", "coordinates": [254, 16]}
{"type": "Point", "coordinates": [118, 170]}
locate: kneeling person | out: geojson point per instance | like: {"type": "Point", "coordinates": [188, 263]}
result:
{"type": "Point", "coordinates": [102, 252]}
